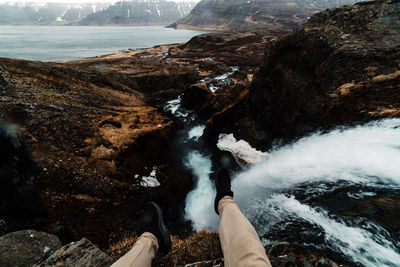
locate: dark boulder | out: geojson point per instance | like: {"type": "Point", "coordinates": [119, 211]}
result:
{"type": "Point", "coordinates": [195, 97]}
{"type": "Point", "coordinates": [18, 201]}
{"type": "Point", "coordinates": [383, 210]}
{"type": "Point", "coordinates": [281, 255]}
{"type": "Point", "coordinates": [81, 253]}
{"type": "Point", "coordinates": [3, 82]}
{"type": "Point", "coordinates": [26, 248]}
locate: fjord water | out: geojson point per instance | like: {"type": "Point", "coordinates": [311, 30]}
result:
{"type": "Point", "coordinates": [291, 190]}
{"type": "Point", "coordinates": [51, 43]}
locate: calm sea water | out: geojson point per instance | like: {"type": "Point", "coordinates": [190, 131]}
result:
{"type": "Point", "coordinates": [50, 43]}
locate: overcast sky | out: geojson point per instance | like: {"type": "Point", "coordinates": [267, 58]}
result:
{"type": "Point", "coordinates": [59, 1]}
{"type": "Point", "coordinates": [77, 1]}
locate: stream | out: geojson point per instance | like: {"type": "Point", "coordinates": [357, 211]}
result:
{"type": "Point", "coordinates": [302, 194]}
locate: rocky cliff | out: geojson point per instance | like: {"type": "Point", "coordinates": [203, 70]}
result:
{"type": "Point", "coordinates": [89, 134]}
{"type": "Point", "coordinates": [342, 67]}
{"type": "Point", "coordinates": [242, 14]}
{"type": "Point", "coordinates": [157, 12]}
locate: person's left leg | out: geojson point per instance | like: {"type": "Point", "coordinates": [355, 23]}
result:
{"type": "Point", "coordinates": [154, 236]}
{"type": "Point", "coordinates": [142, 253]}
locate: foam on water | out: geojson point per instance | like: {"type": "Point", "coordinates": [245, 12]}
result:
{"type": "Point", "coordinates": [243, 153]}
{"type": "Point", "coordinates": [176, 109]}
{"type": "Point", "coordinates": [196, 132]}
{"type": "Point", "coordinates": [365, 155]}
{"type": "Point", "coordinates": [370, 248]}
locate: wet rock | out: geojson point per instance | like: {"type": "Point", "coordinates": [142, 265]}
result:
{"type": "Point", "coordinates": [80, 253]}
{"type": "Point", "coordinates": [296, 232]}
{"type": "Point", "coordinates": [213, 263]}
{"type": "Point", "coordinates": [26, 248]}
{"type": "Point", "coordinates": [331, 71]}
{"type": "Point", "coordinates": [195, 97]}
{"type": "Point", "coordinates": [281, 255]}
{"type": "Point", "coordinates": [384, 210]}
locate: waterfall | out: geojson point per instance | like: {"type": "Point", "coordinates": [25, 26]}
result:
{"type": "Point", "coordinates": [367, 156]}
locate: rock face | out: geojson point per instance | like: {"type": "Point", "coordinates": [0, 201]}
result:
{"type": "Point", "coordinates": [342, 67]}
{"type": "Point", "coordinates": [242, 48]}
{"type": "Point", "coordinates": [242, 14]}
{"type": "Point", "coordinates": [81, 253]}
{"type": "Point", "coordinates": [26, 248]}
{"type": "Point", "coordinates": [156, 12]}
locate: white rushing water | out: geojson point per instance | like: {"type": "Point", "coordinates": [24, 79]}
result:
{"type": "Point", "coordinates": [196, 132]}
{"type": "Point", "coordinates": [200, 202]}
{"type": "Point", "coordinates": [243, 153]}
{"type": "Point", "coordinates": [370, 248]}
{"type": "Point", "coordinates": [365, 155]}
{"type": "Point", "coordinates": [220, 79]}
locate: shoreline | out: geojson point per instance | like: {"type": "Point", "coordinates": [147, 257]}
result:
{"type": "Point", "coordinates": [85, 41]}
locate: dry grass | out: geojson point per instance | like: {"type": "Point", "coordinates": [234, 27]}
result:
{"type": "Point", "coordinates": [200, 246]}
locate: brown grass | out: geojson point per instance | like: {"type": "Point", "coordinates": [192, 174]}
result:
{"type": "Point", "coordinates": [200, 246]}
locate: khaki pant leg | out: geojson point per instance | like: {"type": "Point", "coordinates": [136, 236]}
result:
{"type": "Point", "coordinates": [240, 243]}
{"type": "Point", "coordinates": [142, 253]}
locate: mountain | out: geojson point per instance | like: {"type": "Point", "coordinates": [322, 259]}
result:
{"type": "Point", "coordinates": [46, 13]}
{"type": "Point", "coordinates": [140, 12]}
{"type": "Point", "coordinates": [241, 14]}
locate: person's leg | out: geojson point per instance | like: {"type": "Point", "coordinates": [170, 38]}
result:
{"type": "Point", "coordinates": [240, 243]}
{"type": "Point", "coordinates": [154, 236]}
{"type": "Point", "coordinates": [142, 253]}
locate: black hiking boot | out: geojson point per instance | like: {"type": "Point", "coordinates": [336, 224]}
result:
{"type": "Point", "coordinates": [152, 222]}
{"type": "Point", "coordinates": [223, 186]}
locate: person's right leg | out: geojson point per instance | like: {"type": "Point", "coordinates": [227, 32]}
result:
{"type": "Point", "coordinates": [240, 243]}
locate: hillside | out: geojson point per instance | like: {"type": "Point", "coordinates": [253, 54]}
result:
{"type": "Point", "coordinates": [242, 14]}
